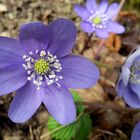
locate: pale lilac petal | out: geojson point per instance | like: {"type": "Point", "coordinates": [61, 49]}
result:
{"type": "Point", "coordinates": [63, 35]}
{"type": "Point", "coordinates": [12, 77]}
{"type": "Point", "coordinates": [102, 33]}
{"type": "Point", "coordinates": [103, 6]}
{"type": "Point", "coordinates": [78, 72]}
{"type": "Point", "coordinates": [132, 58]}
{"type": "Point", "coordinates": [136, 132]}
{"type": "Point", "coordinates": [25, 103]}
{"type": "Point", "coordinates": [120, 87]}
{"type": "Point", "coordinates": [125, 75]}
{"type": "Point", "coordinates": [87, 27]}
{"type": "Point", "coordinates": [34, 36]}
{"type": "Point", "coordinates": [136, 88]}
{"type": "Point", "coordinates": [82, 12]}
{"type": "Point", "coordinates": [112, 10]}
{"type": "Point", "coordinates": [114, 27]}
{"type": "Point", "coordinates": [131, 98]}
{"type": "Point", "coordinates": [137, 59]}
{"type": "Point", "coordinates": [60, 104]}
{"type": "Point", "coordinates": [91, 5]}
{"type": "Point", "coordinates": [10, 52]}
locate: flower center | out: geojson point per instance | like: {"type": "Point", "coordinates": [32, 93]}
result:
{"type": "Point", "coordinates": [41, 66]}
{"type": "Point", "coordinates": [135, 73]}
{"type": "Point", "coordinates": [97, 20]}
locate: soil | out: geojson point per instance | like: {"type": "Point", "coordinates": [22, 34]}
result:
{"type": "Point", "coordinates": [108, 123]}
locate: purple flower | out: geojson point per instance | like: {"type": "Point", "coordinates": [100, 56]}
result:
{"type": "Point", "coordinates": [40, 67]}
{"type": "Point", "coordinates": [136, 132]}
{"type": "Point", "coordinates": [128, 85]}
{"type": "Point", "coordinates": [99, 18]}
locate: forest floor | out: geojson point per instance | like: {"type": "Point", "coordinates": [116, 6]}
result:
{"type": "Point", "coordinates": [111, 122]}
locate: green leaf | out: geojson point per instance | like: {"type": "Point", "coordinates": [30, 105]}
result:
{"type": "Point", "coordinates": [77, 98]}
{"type": "Point", "coordinates": [86, 126]}
{"type": "Point", "coordinates": [60, 132]}
{"type": "Point", "coordinates": [79, 130]}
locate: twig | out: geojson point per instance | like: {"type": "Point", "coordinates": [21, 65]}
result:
{"type": "Point", "coordinates": [120, 8]}
{"type": "Point", "coordinates": [108, 106]}
{"type": "Point", "coordinates": [105, 132]}
{"type": "Point", "coordinates": [86, 44]}
{"type": "Point", "coordinates": [104, 65]}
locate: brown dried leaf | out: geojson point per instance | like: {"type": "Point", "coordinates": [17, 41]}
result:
{"type": "Point", "coordinates": [113, 43]}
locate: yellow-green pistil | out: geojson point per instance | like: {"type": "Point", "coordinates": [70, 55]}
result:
{"type": "Point", "coordinates": [97, 20]}
{"type": "Point", "coordinates": [41, 66]}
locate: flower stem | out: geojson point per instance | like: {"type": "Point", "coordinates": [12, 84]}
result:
{"type": "Point", "coordinates": [100, 47]}
{"type": "Point", "coordinates": [86, 44]}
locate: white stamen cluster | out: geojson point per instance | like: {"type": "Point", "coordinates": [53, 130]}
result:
{"type": "Point", "coordinates": [135, 73]}
{"type": "Point", "coordinates": [45, 72]}
{"type": "Point", "coordinates": [101, 17]}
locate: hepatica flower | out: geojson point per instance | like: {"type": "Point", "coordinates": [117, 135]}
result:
{"type": "Point", "coordinates": [136, 132]}
{"type": "Point", "coordinates": [128, 85]}
{"type": "Point", "coordinates": [40, 68]}
{"type": "Point", "coordinates": [99, 18]}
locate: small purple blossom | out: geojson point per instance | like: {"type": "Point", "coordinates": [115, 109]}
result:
{"type": "Point", "coordinates": [128, 85]}
{"type": "Point", "coordinates": [99, 18]}
{"type": "Point", "coordinates": [40, 67]}
{"type": "Point", "coordinates": [136, 132]}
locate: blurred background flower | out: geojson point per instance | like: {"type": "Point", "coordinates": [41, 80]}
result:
{"type": "Point", "coordinates": [99, 18]}
{"type": "Point", "coordinates": [128, 85]}
{"type": "Point", "coordinates": [136, 132]}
